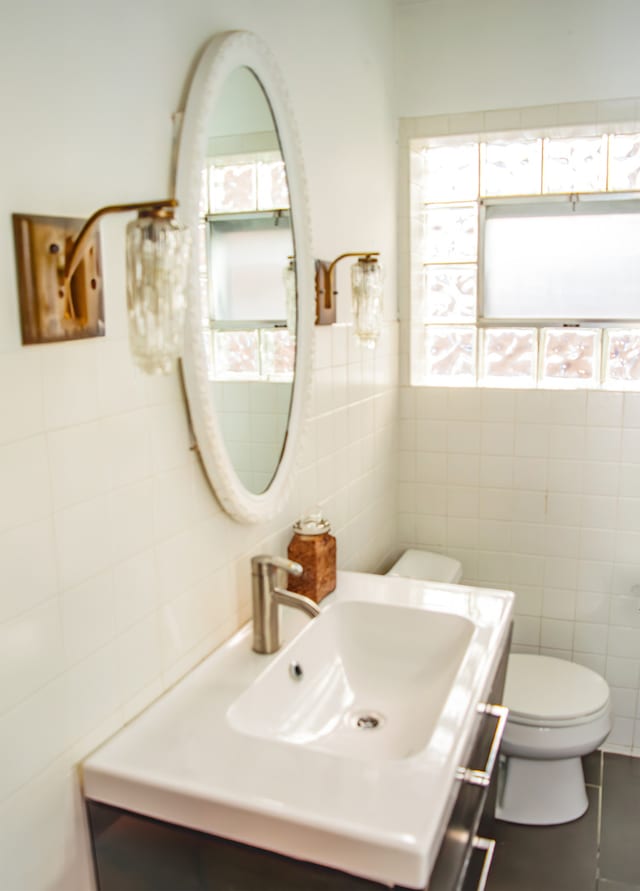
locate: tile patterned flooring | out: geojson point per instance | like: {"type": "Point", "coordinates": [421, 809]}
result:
{"type": "Point", "coordinates": [598, 852]}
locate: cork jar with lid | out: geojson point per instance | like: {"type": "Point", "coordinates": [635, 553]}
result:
{"type": "Point", "coordinates": [314, 548]}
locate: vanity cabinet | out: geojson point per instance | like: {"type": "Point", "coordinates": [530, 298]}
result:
{"type": "Point", "coordinates": [136, 853]}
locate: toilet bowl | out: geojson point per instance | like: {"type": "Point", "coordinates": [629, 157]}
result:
{"type": "Point", "coordinates": [558, 712]}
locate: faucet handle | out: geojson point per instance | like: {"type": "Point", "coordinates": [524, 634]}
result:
{"type": "Point", "coordinates": [264, 562]}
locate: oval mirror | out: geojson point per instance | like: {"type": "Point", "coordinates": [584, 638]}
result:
{"type": "Point", "coordinates": [241, 188]}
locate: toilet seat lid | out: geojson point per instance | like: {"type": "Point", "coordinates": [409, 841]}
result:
{"type": "Point", "coordinates": [543, 689]}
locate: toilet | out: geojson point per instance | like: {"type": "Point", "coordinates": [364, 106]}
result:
{"type": "Point", "coordinates": [558, 712]}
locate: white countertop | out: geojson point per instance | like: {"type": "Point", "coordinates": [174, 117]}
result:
{"type": "Point", "coordinates": [183, 762]}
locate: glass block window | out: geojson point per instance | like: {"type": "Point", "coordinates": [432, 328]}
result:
{"type": "Point", "coordinates": [236, 354]}
{"type": "Point", "coordinates": [622, 358]}
{"type": "Point", "coordinates": [266, 354]}
{"type": "Point", "coordinates": [511, 167]}
{"type": "Point", "coordinates": [242, 186]}
{"type": "Point", "coordinates": [526, 260]}
{"type": "Point", "coordinates": [233, 188]}
{"type": "Point", "coordinates": [451, 355]}
{"type": "Point", "coordinates": [570, 357]}
{"type": "Point", "coordinates": [241, 191]}
{"type": "Point", "coordinates": [575, 165]}
{"type": "Point", "coordinates": [509, 357]}
{"type": "Point", "coordinates": [450, 293]}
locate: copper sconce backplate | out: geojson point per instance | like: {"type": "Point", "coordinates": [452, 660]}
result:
{"type": "Point", "coordinates": [52, 308]}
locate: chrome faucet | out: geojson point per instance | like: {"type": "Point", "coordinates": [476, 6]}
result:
{"type": "Point", "coordinates": [266, 573]}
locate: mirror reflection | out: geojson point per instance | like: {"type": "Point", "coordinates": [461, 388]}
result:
{"type": "Point", "coordinates": [247, 273]}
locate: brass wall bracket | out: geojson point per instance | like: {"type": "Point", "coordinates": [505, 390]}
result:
{"type": "Point", "coordinates": [325, 285]}
{"type": "Point", "coordinates": [325, 304]}
{"type": "Point", "coordinates": [52, 306]}
{"type": "Point", "coordinates": [59, 268]}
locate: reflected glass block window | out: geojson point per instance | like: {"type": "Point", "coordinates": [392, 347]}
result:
{"type": "Point", "coordinates": [236, 353]}
{"type": "Point", "coordinates": [450, 293]}
{"type": "Point", "coordinates": [511, 167]}
{"type": "Point", "coordinates": [273, 191]}
{"type": "Point", "coordinates": [451, 355]}
{"type": "Point", "coordinates": [571, 356]}
{"type": "Point", "coordinates": [509, 357]}
{"type": "Point", "coordinates": [622, 357]}
{"type": "Point", "coordinates": [451, 173]}
{"type": "Point", "coordinates": [624, 162]}
{"type": "Point", "coordinates": [575, 165]}
{"type": "Point", "coordinates": [233, 188]}
{"type": "Point", "coordinates": [278, 352]}
{"type": "Point", "coordinates": [450, 233]}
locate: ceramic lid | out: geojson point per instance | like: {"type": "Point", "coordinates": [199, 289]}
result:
{"type": "Point", "coordinates": [427, 566]}
{"type": "Point", "coordinates": [552, 689]}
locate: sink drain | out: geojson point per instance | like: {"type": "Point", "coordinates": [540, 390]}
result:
{"type": "Point", "coordinates": [367, 720]}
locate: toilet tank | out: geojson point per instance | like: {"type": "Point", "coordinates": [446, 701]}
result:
{"type": "Point", "coordinates": [427, 566]}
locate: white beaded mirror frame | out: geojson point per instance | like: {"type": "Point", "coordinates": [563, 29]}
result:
{"type": "Point", "coordinates": [221, 57]}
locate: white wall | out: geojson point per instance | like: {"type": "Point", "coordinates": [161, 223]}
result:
{"type": "Point", "coordinates": [465, 55]}
{"type": "Point", "coordinates": [533, 491]}
{"type": "Point", "coordinates": [118, 569]}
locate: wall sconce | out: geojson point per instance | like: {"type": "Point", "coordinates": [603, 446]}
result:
{"type": "Point", "coordinates": [60, 280]}
{"type": "Point", "coordinates": [366, 290]}
{"type": "Point", "coordinates": [291, 293]}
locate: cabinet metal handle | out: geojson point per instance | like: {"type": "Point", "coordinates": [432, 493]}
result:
{"type": "Point", "coordinates": [489, 846]}
{"type": "Point", "coordinates": [483, 777]}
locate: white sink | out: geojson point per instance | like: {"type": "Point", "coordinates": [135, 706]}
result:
{"type": "Point", "coordinates": [241, 749]}
{"type": "Point", "coordinates": [364, 680]}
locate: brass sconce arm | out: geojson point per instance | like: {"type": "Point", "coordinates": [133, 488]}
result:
{"type": "Point", "coordinates": [59, 271]}
{"type": "Point", "coordinates": [325, 285]}
{"type": "Point", "coordinates": [370, 255]}
{"type": "Point", "coordinates": [80, 243]}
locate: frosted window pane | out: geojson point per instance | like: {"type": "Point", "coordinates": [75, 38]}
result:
{"type": "Point", "coordinates": [547, 262]}
{"type": "Point", "coordinates": [450, 233]}
{"type": "Point", "coordinates": [451, 173]}
{"type": "Point", "coordinates": [449, 294]}
{"type": "Point", "coordinates": [451, 355]}
{"type": "Point", "coordinates": [570, 357]}
{"type": "Point", "coordinates": [509, 356]}
{"type": "Point", "coordinates": [236, 353]}
{"type": "Point", "coordinates": [511, 167]}
{"type": "Point", "coordinates": [623, 356]}
{"type": "Point", "coordinates": [272, 185]}
{"type": "Point", "coordinates": [233, 188]}
{"type": "Point", "coordinates": [278, 352]}
{"type": "Point", "coordinates": [624, 162]}
{"type": "Point", "coordinates": [575, 165]}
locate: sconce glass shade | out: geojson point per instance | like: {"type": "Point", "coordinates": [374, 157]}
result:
{"type": "Point", "coordinates": [157, 263]}
{"type": "Point", "coordinates": [291, 294]}
{"type": "Point", "coordinates": [366, 289]}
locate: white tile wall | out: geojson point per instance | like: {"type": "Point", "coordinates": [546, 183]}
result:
{"type": "Point", "coordinates": [250, 413]}
{"type": "Point", "coordinates": [540, 493]}
{"type": "Point", "coordinates": [119, 569]}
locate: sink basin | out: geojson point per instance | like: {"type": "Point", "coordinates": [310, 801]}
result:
{"type": "Point", "coordinates": [364, 680]}
{"type": "Point", "coordinates": [342, 748]}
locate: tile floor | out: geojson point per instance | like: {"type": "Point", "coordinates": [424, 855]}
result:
{"type": "Point", "coordinates": [598, 852]}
